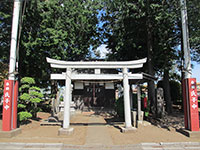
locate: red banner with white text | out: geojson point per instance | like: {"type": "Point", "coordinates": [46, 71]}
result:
{"type": "Point", "coordinates": [7, 105]}
{"type": "Point", "coordinates": [191, 105]}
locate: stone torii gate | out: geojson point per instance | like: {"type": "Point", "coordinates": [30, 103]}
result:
{"type": "Point", "coordinates": [70, 75]}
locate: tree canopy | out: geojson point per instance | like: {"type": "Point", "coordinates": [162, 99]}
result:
{"type": "Point", "coordinates": [64, 30]}
{"type": "Point", "coordinates": [68, 30]}
{"type": "Point", "coordinates": [152, 29]}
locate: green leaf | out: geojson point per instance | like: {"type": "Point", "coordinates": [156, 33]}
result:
{"type": "Point", "coordinates": [35, 88]}
{"type": "Point", "coordinates": [25, 97]}
{"type": "Point", "coordinates": [35, 100]}
{"type": "Point", "coordinates": [36, 94]}
{"type": "Point", "coordinates": [24, 86]}
{"type": "Point", "coordinates": [28, 80]}
{"type": "Point", "coordinates": [24, 115]}
{"type": "Point", "coordinates": [21, 106]}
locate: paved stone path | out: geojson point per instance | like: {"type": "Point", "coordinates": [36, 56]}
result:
{"type": "Point", "coordinates": [97, 134]}
{"type": "Point", "coordinates": [60, 146]}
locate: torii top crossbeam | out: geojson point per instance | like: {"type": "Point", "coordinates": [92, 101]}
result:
{"type": "Point", "coordinates": [96, 64]}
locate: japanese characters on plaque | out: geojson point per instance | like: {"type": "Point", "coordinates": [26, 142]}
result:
{"type": "Point", "coordinates": [7, 96]}
{"type": "Point", "coordinates": [193, 95]}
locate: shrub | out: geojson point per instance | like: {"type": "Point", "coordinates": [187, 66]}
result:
{"type": "Point", "coordinates": [24, 115]}
{"type": "Point", "coordinates": [30, 97]}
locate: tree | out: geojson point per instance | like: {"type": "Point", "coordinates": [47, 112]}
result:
{"type": "Point", "coordinates": [58, 29]}
{"type": "Point", "coordinates": [30, 97]}
{"type": "Point", "coordinates": [5, 30]}
{"type": "Point", "coordinates": [193, 7]}
{"type": "Point", "coordinates": [151, 71]}
{"type": "Point", "coordinates": [143, 29]}
{"type": "Point", "coordinates": [124, 30]}
{"type": "Point", "coordinates": [165, 54]}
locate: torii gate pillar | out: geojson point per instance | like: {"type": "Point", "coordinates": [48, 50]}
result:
{"type": "Point", "coordinates": [66, 130]}
{"type": "Point", "coordinates": [127, 108]}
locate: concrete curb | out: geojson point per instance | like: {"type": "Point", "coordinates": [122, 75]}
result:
{"type": "Point", "coordinates": [61, 146]}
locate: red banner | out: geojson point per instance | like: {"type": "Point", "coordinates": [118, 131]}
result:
{"type": "Point", "coordinates": [191, 104]}
{"type": "Point", "coordinates": [7, 105]}
{"type": "Point", "coordinates": [193, 99]}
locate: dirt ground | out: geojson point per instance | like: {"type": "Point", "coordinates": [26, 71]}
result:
{"type": "Point", "coordinates": [148, 134]}
{"type": "Point", "coordinates": [34, 133]}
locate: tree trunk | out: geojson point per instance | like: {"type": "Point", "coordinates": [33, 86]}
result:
{"type": "Point", "coordinates": [34, 115]}
{"type": "Point", "coordinates": [151, 97]}
{"type": "Point", "coordinates": [167, 94]}
{"type": "Point", "coordinates": [151, 84]}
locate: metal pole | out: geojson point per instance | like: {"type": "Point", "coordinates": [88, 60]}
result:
{"type": "Point", "coordinates": [190, 98]}
{"type": "Point", "coordinates": [186, 45]}
{"type": "Point", "coordinates": [15, 24]}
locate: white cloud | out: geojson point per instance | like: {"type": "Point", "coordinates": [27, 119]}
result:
{"type": "Point", "coordinates": [103, 50]}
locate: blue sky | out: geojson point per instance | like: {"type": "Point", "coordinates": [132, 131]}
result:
{"type": "Point", "coordinates": [196, 71]}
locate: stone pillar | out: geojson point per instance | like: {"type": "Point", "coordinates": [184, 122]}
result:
{"type": "Point", "coordinates": [127, 109]}
{"type": "Point", "coordinates": [67, 99]}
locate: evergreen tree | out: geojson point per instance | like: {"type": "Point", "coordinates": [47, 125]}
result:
{"type": "Point", "coordinates": [5, 30]}
{"type": "Point", "coordinates": [64, 30]}
{"type": "Point", "coordinates": [143, 29]}
{"type": "Point", "coordinates": [30, 97]}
